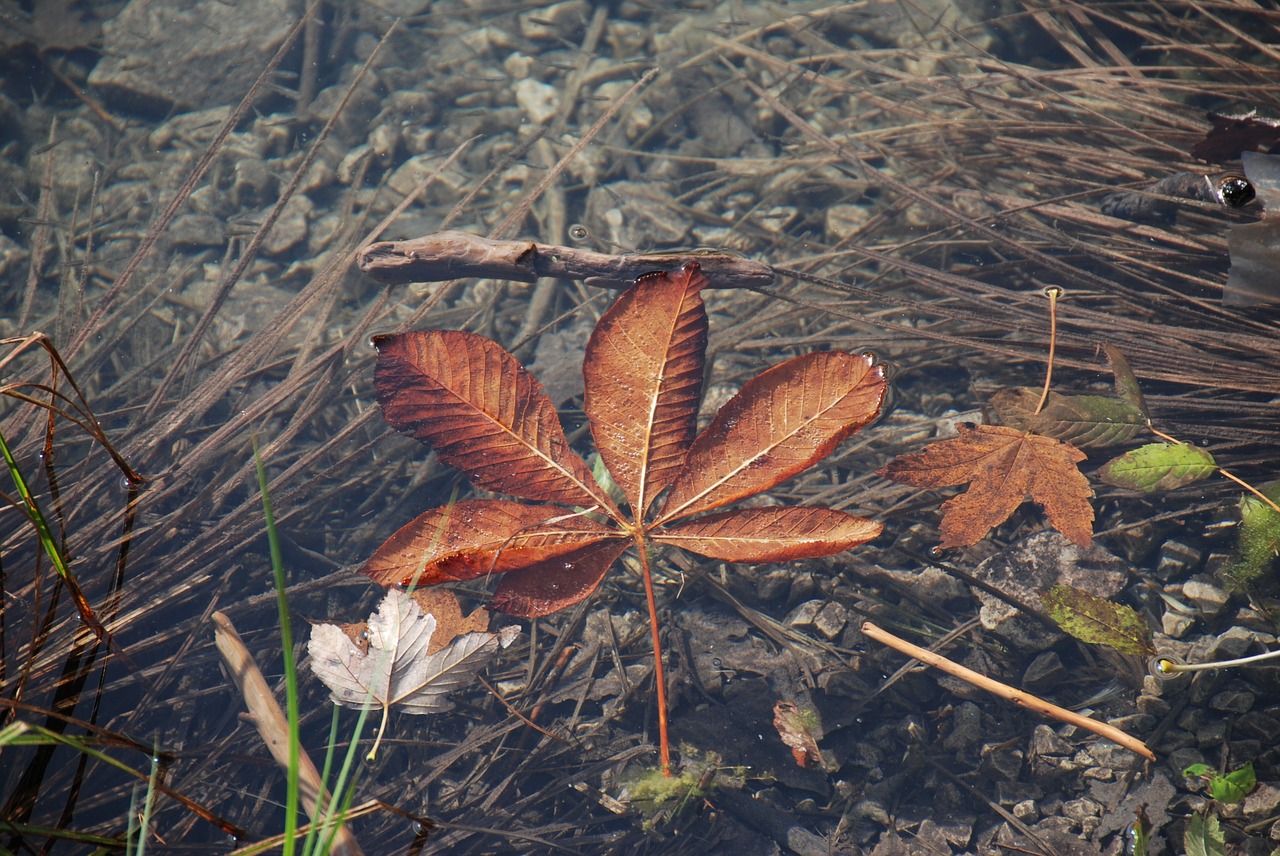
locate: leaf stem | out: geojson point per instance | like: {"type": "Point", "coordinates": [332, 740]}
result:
{"type": "Point", "coordinates": [664, 746]}
{"type": "Point", "coordinates": [1053, 292]}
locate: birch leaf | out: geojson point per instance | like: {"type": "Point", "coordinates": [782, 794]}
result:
{"type": "Point", "coordinates": [391, 666]}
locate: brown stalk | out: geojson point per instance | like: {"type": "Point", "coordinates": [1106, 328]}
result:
{"type": "Point", "coordinates": [1004, 691]}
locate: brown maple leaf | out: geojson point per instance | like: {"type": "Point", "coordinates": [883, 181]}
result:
{"type": "Point", "coordinates": [474, 403]}
{"type": "Point", "coordinates": [1002, 466]}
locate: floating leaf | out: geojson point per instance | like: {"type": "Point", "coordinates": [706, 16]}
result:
{"type": "Point", "coordinates": [1085, 421]}
{"type": "Point", "coordinates": [796, 728]}
{"type": "Point", "coordinates": [1204, 837]}
{"type": "Point", "coordinates": [1258, 538]}
{"type": "Point", "coordinates": [1002, 467]}
{"type": "Point", "coordinates": [1097, 621]}
{"type": "Point", "coordinates": [1127, 386]}
{"type": "Point", "coordinates": [393, 666]}
{"type": "Point", "coordinates": [477, 406]}
{"type": "Point", "coordinates": [1159, 466]}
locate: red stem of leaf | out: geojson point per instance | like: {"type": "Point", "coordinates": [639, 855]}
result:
{"type": "Point", "coordinates": [664, 746]}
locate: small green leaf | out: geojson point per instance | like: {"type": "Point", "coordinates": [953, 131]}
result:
{"type": "Point", "coordinates": [1084, 421]}
{"type": "Point", "coordinates": [1097, 621]}
{"type": "Point", "coordinates": [1158, 466]}
{"type": "Point", "coordinates": [1234, 786]}
{"type": "Point", "coordinates": [1204, 836]}
{"type": "Point", "coordinates": [1258, 541]}
{"type": "Point", "coordinates": [1199, 771]}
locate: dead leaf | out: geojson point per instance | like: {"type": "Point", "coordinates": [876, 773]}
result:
{"type": "Point", "coordinates": [795, 727]}
{"type": "Point", "coordinates": [482, 412]}
{"type": "Point", "coordinates": [1230, 136]}
{"type": "Point", "coordinates": [395, 667]}
{"type": "Point", "coordinates": [1002, 467]}
{"type": "Point", "coordinates": [1085, 421]}
{"type": "Point", "coordinates": [1098, 621]}
{"type": "Point", "coordinates": [473, 402]}
{"type": "Point", "coordinates": [450, 622]}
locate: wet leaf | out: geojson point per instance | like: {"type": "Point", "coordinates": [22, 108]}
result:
{"type": "Point", "coordinates": [1204, 837]}
{"type": "Point", "coordinates": [643, 380]}
{"type": "Point", "coordinates": [1097, 621]}
{"type": "Point", "coordinates": [1230, 135]}
{"type": "Point", "coordinates": [1085, 421]}
{"type": "Point", "coordinates": [394, 667]}
{"type": "Point", "coordinates": [1158, 466]}
{"type": "Point", "coordinates": [796, 727]}
{"type": "Point", "coordinates": [482, 412]}
{"type": "Point", "coordinates": [1230, 788]}
{"type": "Point", "coordinates": [1257, 538]}
{"type": "Point", "coordinates": [1002, 466]}
{"type": "Point", "coordinates": [1127, 386]}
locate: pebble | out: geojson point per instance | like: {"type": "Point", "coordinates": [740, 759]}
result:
{"type": "Point", "coordinates": [1209, 597]}
{"type": "Point", "coordinates": [1233, 701]}
{"type": "Point", "coordinates": [538, 100]}
{"type": "Point", "coordinates": [1026, 811]}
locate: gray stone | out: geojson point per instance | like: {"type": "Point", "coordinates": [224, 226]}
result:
{"type": "Point", "coordinates": [1233, 701]}
{"type": "Point", "coordinates": [1261, 725]}
{"type": "Point", "coordinates": [1231, 644]}
{"type": "Point", "coordinates": [1174, 624]}
{"type": "Point", "coordinates": [1045, 672]}
{"type": "Point", "coordinates": [1026, 811]}
{"type": "Point", "coordinates": [1030, 567]}
{"type": "Point", "coordinates": [1208, 596]}
{"type": "Point", "coordinates": [635, 215]}
{"type": "Point", "coordinates": [1044, 741]}
{"type": "Point", "coordinates": [1176, 559]}
{"type": "Point", "coordinates": [161, 54]}
{"type": "Point", "coordinates": [1263, 801]}
{"type": "Point", "coordinates": [831, 620]}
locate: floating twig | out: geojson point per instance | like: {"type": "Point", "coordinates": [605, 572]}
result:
{"type": "Point", "coordinates": [1018, 697]}
{"type": "Point", "coordinates": [452, 255]}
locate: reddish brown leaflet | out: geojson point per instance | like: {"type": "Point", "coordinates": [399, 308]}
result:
{"type": "Point", "coordinates": [473, 402]}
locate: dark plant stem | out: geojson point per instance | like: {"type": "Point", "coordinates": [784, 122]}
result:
{"type": "Point", "coordinates": [664, 746]}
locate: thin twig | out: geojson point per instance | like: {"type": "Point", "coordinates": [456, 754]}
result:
{"type": "Point", "coordinates": [1017, 696]}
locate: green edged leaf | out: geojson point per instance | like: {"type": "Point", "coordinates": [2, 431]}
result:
{"type": "Point", "coordinates": [1197, 771]}
{"type": "Point", "coordinates": [1099, 622]}
{"type": "Point", "coordinates": [1204, 836]}
{"type": "Point", "coordinates": [1139, 833]}
{"type": "Point", "coordinates": [1258, 541]}
{"type": "Point", "coordinates": [1159, 466]}
{"type": "Point", "coordinates": [1084, 421]}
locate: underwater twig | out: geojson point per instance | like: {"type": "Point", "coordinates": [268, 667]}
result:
{"type": "Point", "coordinates": [1017, 696]}
{"type": "Point", "coordinates": [451, 255]}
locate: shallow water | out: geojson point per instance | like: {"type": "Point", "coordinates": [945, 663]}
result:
{"type": "Point", "coordinates": [936, 168]}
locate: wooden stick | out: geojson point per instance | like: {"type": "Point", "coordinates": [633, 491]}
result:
{"type": "Point", "coordinates": [1039, 705]}
{"type": "Point", "coordinates": [451, 255]}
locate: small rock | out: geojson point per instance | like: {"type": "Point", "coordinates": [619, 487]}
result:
{"type": "Point", "coordinates": [160, 54]}
{"type": "Point", "coordinates": [290, 228]}
{"type": "Point", "coordinates": [538, 100]}
{"type": "Point", "coordinates": [1212, 733]}
{"type": "Point", "coordinates": [1153, 706]}
{"type": "Point", "coordinates": [1033, 565]}
{"type": "Point", "coordinates": [1261, 725]}
{"type": "Point", "coordinates": [1026, 811]}
{"type": "Point", "coordinates": [804, 615]}
{"type": "Point", "coordinates": [1176, 560]}
{"type": "Point", "coordinates": [1233, 701]}
{"type": "Point", "coordinates": [1208, 597]}
{"type": "Point", "coordinates": [1046, 671]}
{"type": "Point", "coordinates": [1232, 643]}
{"type": "Point", "coordinates": [831, 620]}
{"type": "Point", "coordinates": [966, 727]}
{"type": "Point", "coordinates": [1263, 801]}
{"type": "Point", "coordinates": [844, 221]}
{"type": "Point", "coordinates": [1044, 741]}
{"type": "Point", "coordinates": [1175, 624]}
{"type": "Point", "coordinates": [633, 215]}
